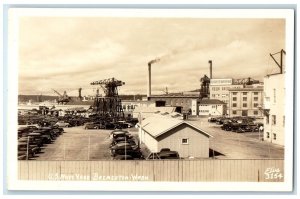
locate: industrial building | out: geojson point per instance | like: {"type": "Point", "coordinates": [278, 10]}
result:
{"type": "Point", "coordinates": [219, 89]}
{"type": "Point", "coordinates": [211, 107]}
{"type": "Point", "coordinates": [159, 132]}
{"type": "Point", "coordinates": [274, 104]}
{"type": "Point", "coordinates": [245, 101]}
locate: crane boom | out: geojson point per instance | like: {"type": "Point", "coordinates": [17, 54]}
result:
{"type": "Point", "coordinates": [57, 92]}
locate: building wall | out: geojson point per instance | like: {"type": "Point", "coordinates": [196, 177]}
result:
{"type": "Point", "coordinates": [219, 89]}
{"type": "Point", "coordinates": [212, 109]}
{"type": "Point", "coordinates": [198, 143]}
{"type": "Point", "coordinates": [150, 142]}
{"type": "Point", "coordinates": [274, 100]}
{"type": "Point", "coordinates": [195, 108]}
{"type": "Point", "coordinates": [184, 102]}
{"type": "Point", "coordinates": [251, 98]}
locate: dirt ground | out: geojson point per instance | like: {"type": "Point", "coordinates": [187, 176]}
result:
{"type": "Point", "coordinates": [80, 144]}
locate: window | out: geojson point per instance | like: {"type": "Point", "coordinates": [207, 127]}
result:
{"type": "Point", "coordinates": [255, 112]}
{"type": "Point", "coordinates": [283, 121]}
{"type": "Point", "coordinates": [234, 112]}
{"type": "Point", "coordinates": [244, 104]}
{"type": "Point", "coordinates": [255, 98]}
{"type": "Point", "coordinates": [255, 93]}
{"type": "Point", "coordinates": [274, 136]}
{"type": "Point", "coordinates": [274, 119]}
{"type": "Point", "coordinates": [268, 135]}
{"type": "Point", "coordinates": [185, 141]}
{"type": "Point", "coordinates": [234, 105]}
{"type": "Point", "coordinates": [267, 119]}
{"type": "Point", "coordinates": [234, 99]}
{"type": "Point", "coordinates": [244, 93]}
{"type": "Point", "coordinates": [274, 95]}
{"type": "Point", "coordinates": [234, 93]}
{"type": "Point", "coordinates": [213, 95]}
{"type": "Point", "coordinates": [255, 105]}
{"type": "Point", "coordinates": [244, 98]}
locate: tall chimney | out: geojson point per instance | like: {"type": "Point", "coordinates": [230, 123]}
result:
{"type": "Point", "coordinates": [79, 93]}
{"type": "Point", "coordinates": [149, 80]}
{"type": "Point", "coordinates": [210, 69]}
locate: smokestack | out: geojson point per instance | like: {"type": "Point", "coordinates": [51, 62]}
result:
{"type": "Point", "coordinates": [149, 75]}
{"type": "Point", "coordinates": [79, 92]}
{"type": "Point", "coordinates": [210, 69]}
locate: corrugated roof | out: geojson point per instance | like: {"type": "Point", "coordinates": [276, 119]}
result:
{"type": "Point", "coordinates": [158, 125]}
{"type": "Point", "coordinates": [211, 101]}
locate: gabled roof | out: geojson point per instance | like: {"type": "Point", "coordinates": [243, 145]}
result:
{"type": "Point", "coordinates": [158, 125]}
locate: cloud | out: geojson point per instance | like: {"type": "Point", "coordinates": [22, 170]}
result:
{"type": "Point", "coordinates": [66, 53]}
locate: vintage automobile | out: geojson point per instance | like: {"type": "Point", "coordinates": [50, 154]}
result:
{"type": "Point", "coordinates": [163, 155]}
{"type": "Point", "coordinates": [62, 124]}
{"type": "Point", "coordinates": [126, 149]}
{"type": "Point", "coordinates": [94, 125]}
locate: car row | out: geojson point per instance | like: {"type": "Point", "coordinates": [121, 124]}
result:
{"type": "Point", "coordinates": [124, 146]}
{"type": "Point", "coordinates": [33, 139]}
{"type": "Point", "coordinates": [108, 125]}
{"type": "Point", "coordinates": [242, 127]}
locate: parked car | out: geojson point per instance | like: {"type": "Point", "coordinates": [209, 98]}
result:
{"type": "Point", "coordinates": [163, 155]}
{"type": "Point", "coordinates": [94, 125]}
{"type": "Point", "coordinates": [126, 149]}
{"type": "Point", "coordinates": [62, 124]}
{"type": "Point", "coordinates": [123, 157]}
{"type": "Point", "coordinates": [211, 119]}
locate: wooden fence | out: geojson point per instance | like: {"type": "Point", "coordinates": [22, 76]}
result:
{"type": "Point", "coordinates": [267, 170]}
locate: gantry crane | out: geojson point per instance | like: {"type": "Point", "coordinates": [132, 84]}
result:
{"type": "Point", "coordinates": [109, 105]}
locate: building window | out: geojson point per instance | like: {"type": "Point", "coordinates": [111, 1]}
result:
{"type": "Point", "coordinates": [274, 95]}
{"type": "Point", "coordinates": [274, 136]}
{"type": "Point", "coordinates": [255, 98]}
{"type": "Point", "coordinates": [234, 93]}
{"type": "Point", "coordinates": [274, 119]}
{"type": "Point", "coordinates": [268, 135]}
{"type": "Point", "coordinates": [244, 93]}
{"type": "Point", "coordinates": [234, 99]}
{"type": "Point", "coordinates": [244, 104]}
{"type": "Point", "coordinates": [244, 98]}
{"type": "Point", "coordinates": [234, 105]}
{"type": "Point", "coordinates": [283, 121]}
{"type": "Point", "coordinates": [255, 105]}
{"type": "Point", "coordinates": [267, 119]}
{"type": "Point", "coordinates": [213, 95]}
{"type": "Point", "coordinates": [255, 112]}
{"type": "Point", "coordinates": [234, 112]}
{"type": "Point", "coordinates": [255, 93]}
{"type": "Point", "coordinates": [185, 141]}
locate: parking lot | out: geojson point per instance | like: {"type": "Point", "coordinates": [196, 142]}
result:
{"type": "Point", "coordinates": [80, 144]}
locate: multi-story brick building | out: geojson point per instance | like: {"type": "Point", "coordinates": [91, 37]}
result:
{"type": "Point", "coordinates": [245, 101]}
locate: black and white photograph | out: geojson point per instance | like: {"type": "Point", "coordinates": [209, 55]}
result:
{"type": "Point", "coordinates": [151, 96]}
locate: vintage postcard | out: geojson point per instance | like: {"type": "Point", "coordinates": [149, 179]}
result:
{"type": "Point", "coordinates": [150, 99]}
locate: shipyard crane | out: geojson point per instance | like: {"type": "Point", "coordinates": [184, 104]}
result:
{"type": "Point", "coordinates": [109, 105]}
{"type": "Point", "coordinates": [109, 86]}
{"type": "Point", "coordinates": [63, 99]}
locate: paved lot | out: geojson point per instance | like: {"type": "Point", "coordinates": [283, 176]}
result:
{"type": "Point", "coordinates": [80, 144]}
{"type": "Point", "coordinates": [238, 145]}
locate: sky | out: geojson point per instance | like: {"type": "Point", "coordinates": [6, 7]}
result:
{"type": "Point", "coordinates": [67, 53]}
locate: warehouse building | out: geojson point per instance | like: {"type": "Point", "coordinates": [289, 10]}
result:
{"type": "Point", "coordinates": [183, 103]}
{"type": "Point", "coordinates": [274, 108]}
{"type": "Point", "coordinates": [212, 107]}
{"type": "Point", "coordinates": [159, 132]}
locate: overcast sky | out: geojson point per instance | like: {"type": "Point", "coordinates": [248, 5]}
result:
{"type": "Point", "coordinates": [66, 53]}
